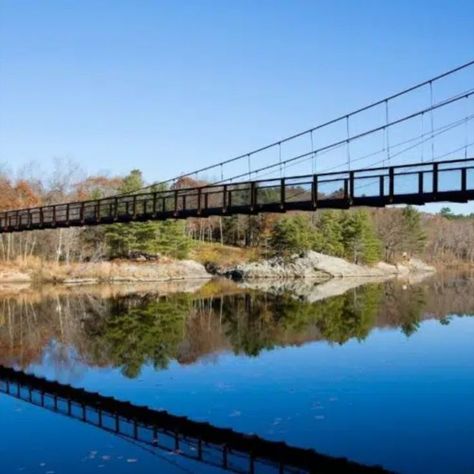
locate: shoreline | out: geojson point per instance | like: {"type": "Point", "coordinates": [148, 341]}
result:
{"type": "Point", "coordinates": [310, 266]}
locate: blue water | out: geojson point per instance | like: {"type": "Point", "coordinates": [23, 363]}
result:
{"type": "Point", "coordinates": [406, 403]}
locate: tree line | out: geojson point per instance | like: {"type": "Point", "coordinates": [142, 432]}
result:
{"type": "Point", "coordinates": [359, 235]}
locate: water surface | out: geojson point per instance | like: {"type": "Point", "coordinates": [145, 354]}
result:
{"type": "Point", "coordinates": [381, 374]}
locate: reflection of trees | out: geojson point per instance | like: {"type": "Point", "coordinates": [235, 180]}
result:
{"type": "Point", "coordinates": [256, 322]}
{"type": "Point", "coordinates": [130, 331]}
{"type": "Point", "coordinates": [405, 306]}
{"type": "Point", "coordinates": [148, 333]}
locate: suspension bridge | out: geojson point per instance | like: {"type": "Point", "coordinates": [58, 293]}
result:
{"type": "Point", "coordinates": [413, 147]}
{"type": "Point", "coordinates": [159, 431]}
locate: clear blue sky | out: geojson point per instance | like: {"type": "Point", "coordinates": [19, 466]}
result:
{"type": "Point", "coordinates": [167, 85]}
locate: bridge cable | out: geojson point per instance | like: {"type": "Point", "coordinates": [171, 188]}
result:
{"type": "Point", "coordinates": [387, 131]}
{"type": "Point", "coordinates": [313, 161]}
{"type": "Point", "coordinates": [357, 111]}
{"type": "Point", "coordinates": [348, 151]}
{"type": "Point", "coordinates": [334, 145]}
{"type": "Point", "coordinates": [432, 121]}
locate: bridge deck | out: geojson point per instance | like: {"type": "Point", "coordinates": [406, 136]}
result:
{"type": "Point", "coordinates": [416, 184]}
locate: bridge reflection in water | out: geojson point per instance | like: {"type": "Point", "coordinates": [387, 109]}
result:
{"type": "Point", "coordinates": [159, 430]}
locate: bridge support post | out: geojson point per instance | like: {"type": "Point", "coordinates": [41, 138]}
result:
{"type": "Point", "coordinates": [175, 202]}
{"type": "Point", "coordinates": [314, 191]}
{"type": "Point", "coordinates": [282, 194]}
{"type": "Point", "coordinates": [199, 205]}
{"type": "Point", "coordinates": [464, 180]}
{"type": "Point", "coordinates": [435, 180]}
{"type": "Point", "coordinates": [351, 186]}
{"type": "Point", "coordinates": [391, 183]}
{"type": "Point", "coordinates": [134, 207]}
{"type": "Point", "coordinates": [253, 196]}
{"type": "Point", "coordinates": [224, 198]}
{"type": "Point", "coordinates": [420, 183]}
{"type": "Point", "coordinates": [153, 211]}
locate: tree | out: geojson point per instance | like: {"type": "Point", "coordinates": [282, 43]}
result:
{"type": "Point", "coordinates": [414, 235]}
{"type": "Point", "coordinates": [166, 237]}
{"type": "Point", "coordinates": [360, 241]}
{"type": "Point", "coordinates": [328, 235]}
{"type": "Point", "coordinates": [291, 234]}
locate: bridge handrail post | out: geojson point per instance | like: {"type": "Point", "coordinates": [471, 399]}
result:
{"type": "Point", "coordinates": [81, 214]}
{"type": "Point", "coordinates": [153, 210]}
{"type": "Point", "coordinates": [421, 175]}
{"type": "Point", "coordinates": [116, 209]}
{"type": "Point", "coordinates": [176, 201]}
{"type": "Point", "coordinates": [199, 204]}
{"type": "Point", "coordinates": [134, 206]}
{"type": "Point", "coordinates": [224, 198]}
{"type": "Point", "coordinates": [67, 213]}
{"type": "Point", "coordinates": [381, 185]}
{"type": "Point", "coordinates": [435, 179]}
{"type": "Point", "coordinates": [351, 185]}
{"type": "Point", "coordinates": [391, 182]}
{"type": "Point", "coordinates": [253, 195]}
{"type": "Point", "coordinates": [314, 191]}
{"type": "Point", "coordinates": [282, 193]}
{"type": "Point", "coordinates": [54, 214]}
{"type": "Point", "coordinates": [463, 180]}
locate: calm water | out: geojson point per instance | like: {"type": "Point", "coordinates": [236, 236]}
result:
{"type": "Point", "coordinates": [381, 374]}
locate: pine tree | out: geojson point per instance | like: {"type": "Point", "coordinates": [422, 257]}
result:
{"type": "Point", "coordinates": [328, 234]}
{"type": "Point", "coordinates": [359, 238]}
{"type": "Point", "coordinates": [166, 237]}
{"type": "Point", "coordinates": [291, 234]}
{"type": "Point", "coordinates": [413, 234]}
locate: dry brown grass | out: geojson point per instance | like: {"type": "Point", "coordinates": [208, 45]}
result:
{"type": "Point", "coordinates": [224, 255]}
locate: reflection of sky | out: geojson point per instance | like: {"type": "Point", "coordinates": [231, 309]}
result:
{"type": "Point", "coordinates": [406, 403]}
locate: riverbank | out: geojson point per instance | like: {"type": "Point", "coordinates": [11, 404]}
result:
{"type": "Point", "coordinates": [317, 266]}
{"type": "Point", "coordinates": [88, 273]}
{"type": "Point", "coordinates": [308, 266]}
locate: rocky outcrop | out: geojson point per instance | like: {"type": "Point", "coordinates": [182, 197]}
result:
{"type": "Point", "coordinates": [112, 272]}
{"type": "Point", "coordinates": [307, 290]}
{"type": "Point", "coordinates": [317, 266]}
{"type": "Point", "coordinates": [90, 273]}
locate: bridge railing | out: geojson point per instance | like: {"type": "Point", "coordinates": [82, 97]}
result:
{"type": "Point", "coordinates": [410, 183]}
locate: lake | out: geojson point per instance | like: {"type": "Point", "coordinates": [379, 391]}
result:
{"type": "Point", "coordinates": [381, 374]}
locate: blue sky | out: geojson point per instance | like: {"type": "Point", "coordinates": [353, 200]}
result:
{"type": "Point", "coordinates": [166, 86]}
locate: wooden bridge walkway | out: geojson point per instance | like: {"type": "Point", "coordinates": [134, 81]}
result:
{"type": "Point", "coordinates": [416, 184]}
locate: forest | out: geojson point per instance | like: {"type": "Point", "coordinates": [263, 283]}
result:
{"type": "Point", "coordinates": [359, 235]}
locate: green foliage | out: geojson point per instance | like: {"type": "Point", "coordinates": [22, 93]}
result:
{"type": "Point", "coordinates": [342, 234]}
{"type": "Point", "coordinates": [413, 233]}
{"type": "Point", "coordinates": [168, 237]}
{"type": "Point", "coordinates": [292, 234]}
{"type": "Point", "coordinates": [360, 241]}
{"type": "Point", "coordinates": [328, 237]}
{"type": "Point", "coordinates": [149, 333]}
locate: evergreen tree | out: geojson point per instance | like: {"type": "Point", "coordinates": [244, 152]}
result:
{"type": "Point", "coordinates": [291, 234]}
{"type": "Point", "coordinates": [166, 237]}
{"type": "Point", "coordinates": [361, 244]}
{"type": "Point", "coordinates": [328, 236]}
{"type": "Point", "coordinates": [413, 233]}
